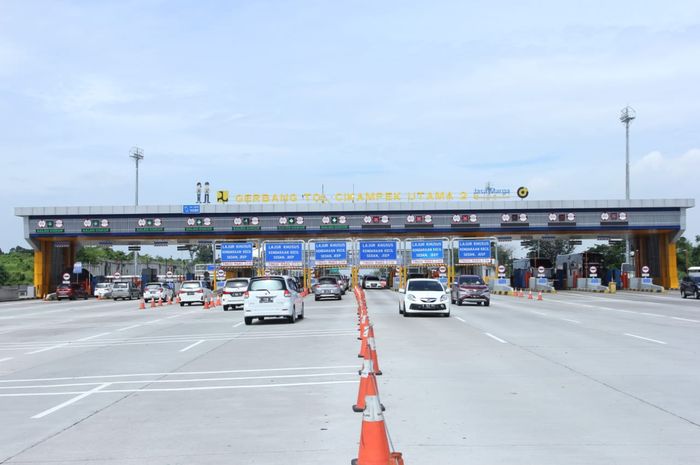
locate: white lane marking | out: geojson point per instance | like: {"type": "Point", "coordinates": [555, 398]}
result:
{"type": "Point", "coordinates": [237, 325]}
{"type": "Point", "coordinates": [191, 345]}
{"type": "Point", "coordinates": [129, 327]}
{"type": "Point", "coordinates": [651, 314]}
{"type": "Point", "coordinates": [70, 401]}
{"type": "Point", "coordinates": [179, 381]}
{"type": "Point", "coordinates": [6, 359]}
{"type": "Point", "coordinates": [645, 338]}
{"type": "Point", "coordinates": [178, 373]}
{"type": "Point", "coordinates": [45, 349]}
{"type": "Point", "coordinates": [496, 338]}
{"type": "Point", "coordinates": [685, 319]}
{"type": "Point", "coordinates": [572, 321]}
{"type": "Point", "coordinates": [174, 316]}
{"type": "Point", "coordinates": [98, 390]}
{"type": "Point", "coordinates": [539, 313]}
{"type": "Point", "coordinates": [154, 321]}
{"type": "Point", "coordinates": [460, 319]}
{"type": "Point", "coordinates": [92, 337]}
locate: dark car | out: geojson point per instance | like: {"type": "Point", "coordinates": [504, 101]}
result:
{"type": "Point", "coordinates": [470, 288]}
{"type": "Point", "coordinates": [690, 286]}
{"type": "Point", "coordinates": [71, 291]}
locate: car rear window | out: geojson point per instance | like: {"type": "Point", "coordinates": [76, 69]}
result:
{"type": "Point", "coordinates": [267, 284]}
{"type": "Point", "coordinates": [103, 285]}
{"type": "Point", "coordinates": [153, 286]}
{"type": "Point", "coordinates": [470, 280]}
{"type": "Point", "coordinates": [371, 278]}
{"type": "Point", "coordinates": [190, 285]}
{"type": "Point", "coordinates": [63, 286]}
{"type": "Point", "coordinates": [121, 285]}
{"type": "Point", "coordinates": [425, 286]}
{"type": "Point", "coordinates": [328, 281]}
{"type": "Point", "coordinates": [237, 284]}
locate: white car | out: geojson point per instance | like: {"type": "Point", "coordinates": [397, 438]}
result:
{"type": "Point", "coordinates": [194, 292]}
{"type": "Point", "coordinates": [372, 282]}
{"type": "Point", "coordinates": [272, 296]}
{"type": "Point", "coordinates": [232, 293]}
{"type": "Point", "coordinates": [424, 296]}
{"type": "Point", "coordinates": [103, 290]}
{"type": "Point", "coordinates": [155, 291]}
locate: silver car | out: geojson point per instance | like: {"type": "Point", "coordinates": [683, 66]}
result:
{"type": "Point", "coordinates": [194, 292]}
{"type": "Point", "coordinates": [125, 290]}
{"type": "Point", "coordinates": [328, 287]}
{"type": "Point", "coordinates": [157, 291]}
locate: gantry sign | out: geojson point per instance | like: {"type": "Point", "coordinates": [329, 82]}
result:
{"type": "Point", "coordinates": [653, 226]}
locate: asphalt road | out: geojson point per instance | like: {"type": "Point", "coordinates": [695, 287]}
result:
{"type": "Point", "coordinates": [574, 379]}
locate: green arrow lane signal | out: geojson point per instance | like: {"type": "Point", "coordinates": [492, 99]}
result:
{"type": "Point", "coordinates": [149, 222]}
{"type": "Point", "coordinates": [334, 219]}
{"type": "Point", "coordinates": [291, 220]}
{"type": "Point", "coordinates": [49, 224]}
{"type": "Point", "coordinates": [95, 223]}
{"type": "Point", "coordinates": [246, 221]}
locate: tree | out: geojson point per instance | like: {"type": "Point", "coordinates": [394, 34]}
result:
{"type": "Point", "coordinates": [4, 276]}
{"type": "Point", "coordinates": [548, 249]}
{"type": "Point", "coordinates": [613, 256]}
{"type": "Point", "coordinates": [203, 254]}
{"type": "Point", "coordinates": [687, 253]}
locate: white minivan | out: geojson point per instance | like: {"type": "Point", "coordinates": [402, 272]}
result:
{"type": "Point", "coordinates": [194, 292]}
{"type": "Point", "coordinates": [272, 296]}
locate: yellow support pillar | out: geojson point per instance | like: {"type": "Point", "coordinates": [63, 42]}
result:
{"type": "Point", "coordinates": [669, 273]}
{"type": "Point", "coordinates": [355, 272]}
{"type": "Point", "coordinates": [41, 283]}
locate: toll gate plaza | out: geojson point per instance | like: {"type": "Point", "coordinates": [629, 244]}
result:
{"type": "Point", "coordinates": [566, 377]}
{"type": "Point", "coordinates": [652, 226]}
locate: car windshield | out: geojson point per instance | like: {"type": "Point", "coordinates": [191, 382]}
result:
{"type": "Point", "coordinates": [328, 281]}
{"type": "Point", "coordinates": [694, 278]}
{"type": "Point", "coordinates": [237, 284]}
{"type": "Point", "coordinates": [425, 286]}
{"type": "Point", "coordinates": [470, 280]}
{"type": "Point", "coordinates": [194, 285]}
{"type": "Point", "coordinates": [103, 286]}
{"type": "Point", "coordinates": [153, 287]}
{"type": "Point", "coordinates": [121, 285]}
{"type": "Point", "coordinates": [63, 286]}
{"type": "Point", "coordinates": [267, 284]}
{"type": "Point", "coordinates": [371, 278]}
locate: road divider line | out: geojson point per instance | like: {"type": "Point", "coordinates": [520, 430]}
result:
{"type": "Point", "coordinates": [179, 373]}
{"type": "Point", "coordinates": [46, 349]}
{"type": "Point", "coordinates": [70, 401]}
{"type": "Point", "coordinates": [460, 319]}
{"type": "Point", "coordinates": [572, 321]}
{"type": "Point", "coordinates": [645, 338]}
{"type": "Point", "coordinates": [92, 337]}
{"type": "Point", "coordinates": [237, 324]}
{"type": "Point", "coordinates": [685, 319]}
{"type": "Point", "coordinates": [539, 313]}
{"type": "Point", "coordinates": [496, 338]}
{"type": "Point", "coordinates": [129, 327]}
{"type": "Point", "coordinates": [192, 345]}
{"type": "Point", "coordinates": [6, 359]}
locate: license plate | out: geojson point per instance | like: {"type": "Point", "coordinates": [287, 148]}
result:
{"type": "Point", "coordinates": [265, 300]}
{"type": "Point", "coordinates": [190, 293]}
{"type": "Point", "coordinates": [237, 294]}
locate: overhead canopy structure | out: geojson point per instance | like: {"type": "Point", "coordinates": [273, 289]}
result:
{"type": "Point", "coordinates": [653, 225]}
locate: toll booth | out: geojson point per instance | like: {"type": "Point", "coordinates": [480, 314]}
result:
{"type": "Point", "coordinates": [237, 260]}
{"type": "Point", "coordinates": [526, 268]}
{"type": "Point", "coordinates": [428, 258]}
{"type": "Point", "coordinates": [571, 267]}
{"type": "Point", "coordinates": [285, 257]}
{"type": "Point", "coordinates": [379, 254]}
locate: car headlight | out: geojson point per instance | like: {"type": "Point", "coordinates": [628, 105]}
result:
{"type": "Point", "coordinates": [443, 298]}
{"type": "Point", "coordinates": [411, 297]}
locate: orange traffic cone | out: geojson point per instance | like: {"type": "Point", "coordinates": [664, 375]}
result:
{"type": "Point", "coordinates": [521, 293]}
{"type": "Point", "coordinates": [160, 301]}
{"type": "Point", "coordinates": [177, 299]}
{"type": "Point", "coordinates": [368, 386]}
{"type": "Point", "coordinates": [529, 295]}
{"type": "Point", "coordinates": [373, 354]}
{"type": "Point", "coordinates": [142, 305]}
{"type": "Point", "coordinates": [206, 304]}
{"type": "Point", "coordinates": [374, 443]}
{"type": "Point", "coordinates": [218, 301]}
{"type": "Point", "coordinates": [153, 302]}
{"type": "Point", "coordinates": [170, 300]}
{"type": "Point", "coordinates": [539, 295]}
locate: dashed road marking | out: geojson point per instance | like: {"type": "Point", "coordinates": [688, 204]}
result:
{"type": "Point", "coordinates": [460, 319]}
{"type": "Point", "coordinates": [645, 338]}
{"type": "Point", "coordinates": [46, 349]}
{"type": "Point", "coordinates": [6, 359]}
{"type": "Point", "coordinates": [496, 338]}
{"type": "Point", "coordinates": [93, 337]}
{"type": "Point", "coordinates": [70, 401]}
{"type": "Point", "coordinates": [129, 327]}
{"type": "Point", "coordinates": [192, 345]}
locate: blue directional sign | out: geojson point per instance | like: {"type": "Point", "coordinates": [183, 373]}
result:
{"type": "Point", "coordinates": [331, 253]}
{"type": "Point", "coordinates": [427, 252]}
{"type": "Point", "coordinates": [474, 251]}
{"type": "Point", "coordinates": [378, 253]}
{"type": "Point", "coordinates": [190, 209]}
{"type": "Point", "coordinates": [284, 254]}
{"type": "Point", "coordinates": [237, 254]}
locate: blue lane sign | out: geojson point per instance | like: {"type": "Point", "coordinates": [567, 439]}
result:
{"type": "Point", "coordinates": [503, 282]}
{"type": "Point", "coordinates": [427, 252]}
{"type": "Point", "coordinates": [77, 268]}
{"type": "Point", "coordinates": [542, 281]}
{"type": "Point", "coordinates": [647, 281]}
{"type": "Point", "coordinates": [595, 281]}
{"type": "Point", "coordinates": [331, 253]}
{"type": "Point", "coordinates": [190, 209]}
{"type": "Point", "coordinates": [237, 254]}
{"type": "Point", "coordinates": [378, 253]}
{"type": "Point", "coordinates": [471, 251]}
{"type": "Point", "coordinates": [283, 254]}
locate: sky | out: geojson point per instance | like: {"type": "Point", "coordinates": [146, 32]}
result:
{"type": "Point", "coordinates": [282, 96]}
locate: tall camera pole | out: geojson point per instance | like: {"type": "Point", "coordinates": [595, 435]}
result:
{"type": "Point", "coordinates": [626, 116]}
{"type": "Point", "coordinates": [137, 154]}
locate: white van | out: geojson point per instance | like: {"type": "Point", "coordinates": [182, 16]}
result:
{"type": "Point", "coordinates": [272, 296]}
{"type": "Point", "coordinates": [232, 292]}
{"type": "Point", "coordinates": [694, 271]}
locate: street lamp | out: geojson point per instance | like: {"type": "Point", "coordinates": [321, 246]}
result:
{"type": "Point", "coordinates": [626, 116]}
{"type": "Point", "coordinates": [137, 154]}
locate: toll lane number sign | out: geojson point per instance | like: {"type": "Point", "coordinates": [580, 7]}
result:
{"type": "Point", "coordinates": [378, 253]}
{"type": "Point", "coordinates": [283, 254]}
{"type": "Point", "coordinates": [477, 251]}
{"type": "Point", "coordinates": [426, 252]}
{"type": "Point", "coordinates": [331, 253]}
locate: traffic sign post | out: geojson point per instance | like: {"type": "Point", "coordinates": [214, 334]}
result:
{"type": "Point", "coordinates": [117, 275]}
{"type": "Point", "coordinates": [237, 254]}
{"type": "Point", "coordinates": [645, 271]}
{"type": "Point", "coordinates": [66, 278]}
{"type": "Point", "coordinates": [427, 252]}
{"type": "Point", "coordinates": [593, 272]}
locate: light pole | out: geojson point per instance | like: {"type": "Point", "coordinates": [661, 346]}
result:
{"type": "Point", "coordinates": [137, 154]}
{"type": "Point", "coordinates": [626, 116]}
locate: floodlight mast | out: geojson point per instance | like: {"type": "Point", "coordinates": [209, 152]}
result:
{"type": "Point", "coordinates": [137, 154]}
{"type": "Point", "coordinates": [626, 116]}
